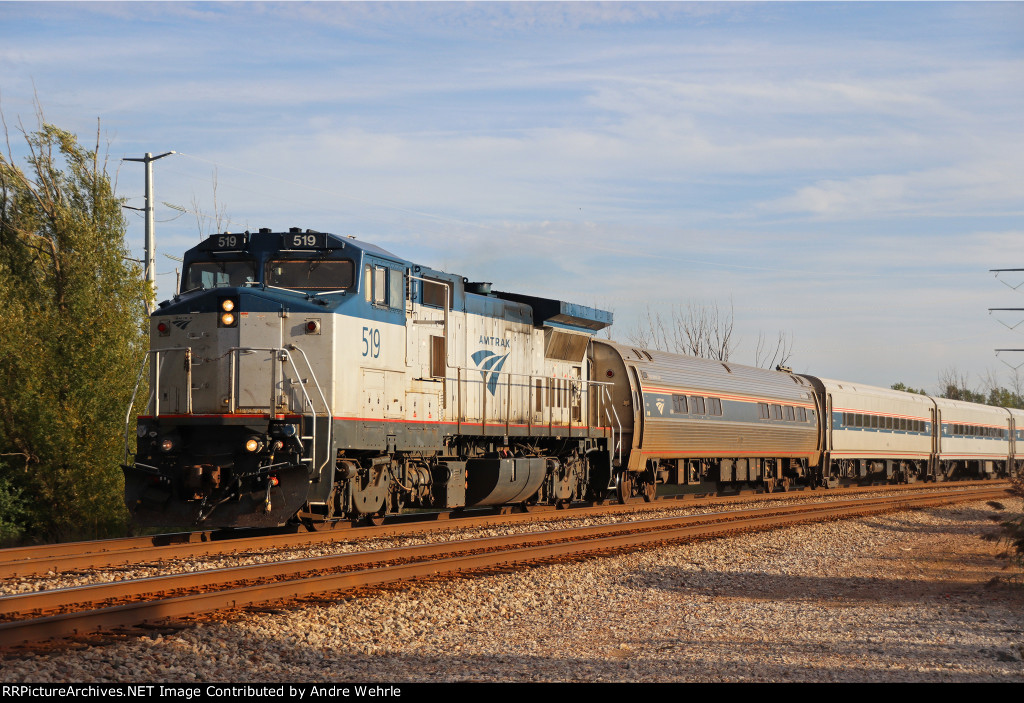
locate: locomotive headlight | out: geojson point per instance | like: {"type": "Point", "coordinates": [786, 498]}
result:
{"type": "Point", "coordinates": [166, 444]}
{"type": "Point", "coordinates": [227, 312]}
{"type": "Point", "coordinates": [253, 445]}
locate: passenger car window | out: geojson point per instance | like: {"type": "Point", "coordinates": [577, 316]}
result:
{"type": "Point", "coordinates": [679, 404]}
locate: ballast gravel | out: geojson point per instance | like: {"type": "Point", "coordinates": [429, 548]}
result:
{"type": "Point", "coordinates": [911, 596]}
{"type": "Point", "coordinates": [356, 543]}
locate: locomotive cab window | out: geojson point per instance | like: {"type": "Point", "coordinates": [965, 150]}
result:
{"type": "Point", "coordinates": [219, 274]}
{"type": "Point", "coordinates": [383, 287]}
{"type": "Point", "coordinates": [396, 291]}
{"type": "Point", "coordinates": [316, 274]}
{"type": "Point", "coordinates": [434, 294]}
{"type": "Point", "coordinates": [380, 285]}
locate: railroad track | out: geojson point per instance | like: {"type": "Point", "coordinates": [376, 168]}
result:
{"type": "Point", "coordinates": [78, 556]}
{"type": "Point", "coordinates": [154, 601]}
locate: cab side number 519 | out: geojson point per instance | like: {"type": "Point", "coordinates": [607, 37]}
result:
{"type": "Point", "coordinates": [371, 342]}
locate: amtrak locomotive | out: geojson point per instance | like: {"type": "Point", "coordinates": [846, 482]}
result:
{"type": "Point", "coordinates": [305, 376]}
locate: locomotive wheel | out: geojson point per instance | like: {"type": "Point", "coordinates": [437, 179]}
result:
{"type": "Point", "coordinates": [624, 487]}
{"type": "Point", "coordinates": [650, 490]}
{"type": "Point", "coordinates": [396, 501]}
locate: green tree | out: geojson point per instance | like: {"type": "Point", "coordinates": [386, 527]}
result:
{"type": "Point", "coordinates": [71, 342]}
{"type": "Point", "coordinates": [907, 389]}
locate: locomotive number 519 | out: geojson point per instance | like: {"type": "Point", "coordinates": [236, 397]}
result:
{"type": "Point", "coordinates": [371, 342]}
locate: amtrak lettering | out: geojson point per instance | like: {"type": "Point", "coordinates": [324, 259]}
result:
{"type": "Point", "coordinates": [496, 341]}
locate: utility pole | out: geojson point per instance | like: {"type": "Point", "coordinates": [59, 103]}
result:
{"type": "Point", "coordinates": [991, 310]}
{"type": "Point", "coordinates": [150, 257]}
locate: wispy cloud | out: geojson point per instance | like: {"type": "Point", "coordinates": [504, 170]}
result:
{"type": "Point", "coordinates": [842, 170]}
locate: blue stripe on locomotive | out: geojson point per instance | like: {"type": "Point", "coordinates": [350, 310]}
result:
{"type": "Point", "coordinates": [263, 247]}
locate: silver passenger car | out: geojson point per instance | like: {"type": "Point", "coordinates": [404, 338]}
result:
{"type": "Point", "coordinates": [973, 440]}
{"type": "Point", "coordinates": [687, 419]}
{"type": "Point", "coordinates": [870, 432]}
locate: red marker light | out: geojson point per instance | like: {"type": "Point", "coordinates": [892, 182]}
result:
{"type": "Point", "coordinates": [162, 328]}
{"type": "Point", "coordinates": [274, 481]}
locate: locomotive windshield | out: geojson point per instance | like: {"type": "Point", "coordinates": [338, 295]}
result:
{"type": "Point", "coordinates": [218, 274]}
{"type": "Point", "coordinates": [310, 273]}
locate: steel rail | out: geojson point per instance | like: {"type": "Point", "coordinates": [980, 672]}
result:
{"type": "Point", "coordinates": [42, 559]}
{"type": "Point", "coordinates": [436, 559]}
{"type": "Point", "coordinates": [135, 588]}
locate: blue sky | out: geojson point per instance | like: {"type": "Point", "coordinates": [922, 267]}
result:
{"type": "Point", "coordinates": [844, 172]}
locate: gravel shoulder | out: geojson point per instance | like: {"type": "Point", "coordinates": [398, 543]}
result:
{"type": "Point", "coordinates": [912, 596]}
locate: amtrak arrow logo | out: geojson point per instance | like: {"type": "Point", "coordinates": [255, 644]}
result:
{"type": "Point", "coordinates": [490, 364]}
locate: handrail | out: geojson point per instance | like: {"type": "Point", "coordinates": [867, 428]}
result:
{"type": "Point", "coordinates": [154, 396]}
{"type": "Point", "coordinates": [447, 307]}
{"type": "Point", "coordinates": [327, 406]}
{"type": "Point", "coordinates": [131, 406]}
{"type": "Point", "coordinates": [235, 351]}
{"type": "Point", "coordinates": [616, 443]}
{"type": "Point", "coordinates": [460, 414]}
{"type": "Point", "coordinates": [605, 407]}
{"type": "Point", "coordinates": [232, 354]}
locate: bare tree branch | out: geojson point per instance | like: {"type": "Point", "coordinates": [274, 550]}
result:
{"type": "Point", "coordinates": [697, 330]}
